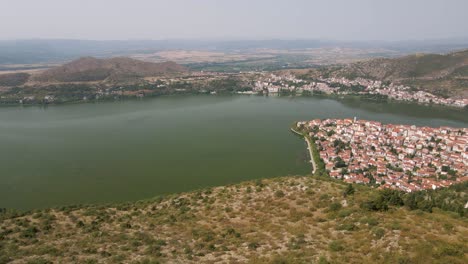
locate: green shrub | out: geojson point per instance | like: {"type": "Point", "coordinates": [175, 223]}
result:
{"type": "Point", "coordinates": [279, 194]}
{"type": "Point", "coordinates": [448, 227]}
{"type": "Point", "coordinates": [324, 196]}
{"type": "Point", "coordinates": [349, 190]}
{"type": "Point", "coordinates": [323, 260]}
{"type": "Point", "coordinates": [334, 207]}
{"type": "Point", "coordinates": [253, 245]}
{"type": "Point", "coordinates": [345, 212]}
{"type": "Point", "coordinates": [369, 221]}
{"type": "Point", "coordinates": [336, 246]}
{"type": "Point", "coordinates": [395, 225]}
{"type": "Point", "coordinates": [447, 249]}
{"type": "Point", "coordinates": [29, 232]}
{"type": "Point", "coordinates": [378, 232]}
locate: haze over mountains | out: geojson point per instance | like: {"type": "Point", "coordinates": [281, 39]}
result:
{"type": "Point", "coordinates": [56, 50]}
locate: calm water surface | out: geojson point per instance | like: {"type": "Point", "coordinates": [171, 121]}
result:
{"type": "Point", "coordinates": [120, 151]}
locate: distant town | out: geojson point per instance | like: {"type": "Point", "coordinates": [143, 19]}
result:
{"type": "Point", "coordinates": [272, 83]}
{"type": "Point", "coordinates": [402, 157]}
{"type": "Point", "coordinates": [288, 84]}
{"type": "Point", "coordinates": [282, 83]}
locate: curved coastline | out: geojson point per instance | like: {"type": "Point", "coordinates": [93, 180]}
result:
{"type": "Point", "coordinates": [309, 147]}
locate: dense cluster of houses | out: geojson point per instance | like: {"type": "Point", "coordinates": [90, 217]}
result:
{"type": "Point", "coordinates": [272, 83]}
{"type": "Point", "coordinates": [403, 157]}
{"type": "Point", "coordinates": [398, 92]}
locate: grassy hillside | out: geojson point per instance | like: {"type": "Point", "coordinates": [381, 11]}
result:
{"type": "Point", "coordinates": [281, 220]}
{"type": "Point", "coordinates": [441, 74]}
{"type": "Point", "coordinates": [430, 66]}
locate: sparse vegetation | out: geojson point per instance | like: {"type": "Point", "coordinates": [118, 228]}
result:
{"type": "Point", "coordinates": [308, 220]}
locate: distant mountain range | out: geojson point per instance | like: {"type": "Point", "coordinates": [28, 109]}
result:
{"type": "Point", "coordinates": [89, 69]}
{"type": "Point", "coordinates": [60, 50]}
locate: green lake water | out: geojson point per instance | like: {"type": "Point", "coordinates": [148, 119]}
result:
{"type": "Point", "coordinates": [130, 150]}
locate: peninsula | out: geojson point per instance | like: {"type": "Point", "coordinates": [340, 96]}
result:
{"type": "Point", "coordinates": [402, 157]}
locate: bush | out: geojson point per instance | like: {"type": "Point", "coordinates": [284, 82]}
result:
{"type": "Point", "coordinates": [335, 207]}
{"type": "Point", "coordinates": [253, 245]}
{"type": "Point", "coordinates": [80, 224]}
{"type": "Point", "coordinates": [448, 227]}
{"type": "Point", "coordinates": [370, 221]}
{"type": "Point", "coordinates": [323, 260]}
{"type": "Point", "coordinates": [345, 212]}
{"type": "Point", "coordinates": [30, 232]}
{"type": "Point", "coordinates": [297, 242]}
{"type": "Point", "coordinates": [378, 232]}
{"type": "Point", "coordinates": [450, 250]}
{"type": "Point", "coordinates": [335, 246]}
{"type": "Point", "coordinates": [126, 225]}
{"type": "Point", "coordinates": [376, 204]}
{"type": "Point", "coordinates": [349, 190]}
{"type": "Point", "coordinates": [5, 259]}
{"type": "Point", "coordinates": [279, 194]}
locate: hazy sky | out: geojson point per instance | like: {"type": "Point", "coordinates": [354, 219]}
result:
{"type": "Point", "coordinates": [238, 19]}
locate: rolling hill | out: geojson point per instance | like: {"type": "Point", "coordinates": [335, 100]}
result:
{"type": "Point", "coordinates": [88, 69]}
{"type": "Point", "coordinates": [419, 66]}
{"type": "Point", "coordinates": [443, 74]}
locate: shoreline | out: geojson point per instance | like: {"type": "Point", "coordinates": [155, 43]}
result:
{"type": "Point", "coordinates": [309, 147]}
{"type": "Point", "coordinates": [338, 97]}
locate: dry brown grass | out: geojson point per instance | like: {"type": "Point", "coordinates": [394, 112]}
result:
{"type": "Point", "coordinates": [241, 223]}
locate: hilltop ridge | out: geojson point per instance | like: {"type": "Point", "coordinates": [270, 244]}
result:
{"type": "Point", "coordinates": [90, 69]}
{"type": "Point", "coordinates": [93, 69]}
{"type": "Point", "coordinates": [419, 66]}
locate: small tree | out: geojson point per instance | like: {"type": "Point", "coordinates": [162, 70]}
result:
{"type": "Point", "coordinates": [349, 190]}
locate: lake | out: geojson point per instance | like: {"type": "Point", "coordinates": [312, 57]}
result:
{"type": "Point", "coordinates": [137, 149]}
